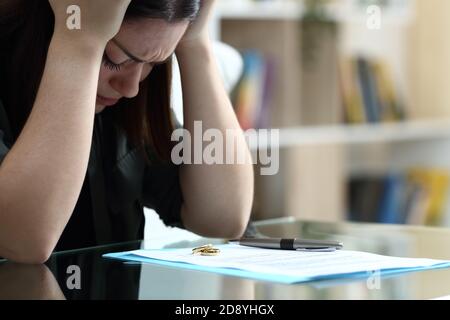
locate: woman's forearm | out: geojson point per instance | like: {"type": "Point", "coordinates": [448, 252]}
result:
{"type": "Point", "coordinates": [42, 175]}
{"type": "Point", "coordinates": [218, 197]}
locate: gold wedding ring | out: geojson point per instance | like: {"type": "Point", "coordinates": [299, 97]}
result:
{"type": "Point", "coordinates": [200, 249]}
{"type": "Point", "coordinates": [210, 252]}
{"type": "Point", "coordinates": [206, 250]}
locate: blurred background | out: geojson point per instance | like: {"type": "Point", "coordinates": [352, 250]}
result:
{"type": "Point", "coordinates": [360, 90]}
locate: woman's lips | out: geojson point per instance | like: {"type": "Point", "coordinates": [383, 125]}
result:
{"type": "Point", "coordinates": [106, 101]}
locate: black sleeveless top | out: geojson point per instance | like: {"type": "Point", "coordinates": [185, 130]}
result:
{"type": "Point", "coordinates": [119, 183]}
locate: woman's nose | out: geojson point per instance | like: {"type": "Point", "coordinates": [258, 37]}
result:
{"type": "Point", "coordinates": [126, 83]}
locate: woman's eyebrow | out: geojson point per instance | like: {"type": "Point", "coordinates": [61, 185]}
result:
{"type": "Point", "coordinates": [133, 57]}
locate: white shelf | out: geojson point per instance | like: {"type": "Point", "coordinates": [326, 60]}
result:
{"type": "Point", "coordinates": [362, 134]}
{"type": "Point", "coordinates": [263, 10]}
{"type": "Point", "coordinates": [294, 9]}
{"type": "Point", "coordinates": [347, 12]}
{"type": "Point", "coordinates": [341, 12]}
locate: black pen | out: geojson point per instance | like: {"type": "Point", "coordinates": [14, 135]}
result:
{"type": "Point", "coordinates": [290, 244]}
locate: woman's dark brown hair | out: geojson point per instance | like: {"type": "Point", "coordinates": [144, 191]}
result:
{"type": "Point", "coordinates": [26, 28]}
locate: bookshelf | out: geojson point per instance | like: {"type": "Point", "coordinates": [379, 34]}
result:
{"type": "Point", "coordinates": [319, 154]}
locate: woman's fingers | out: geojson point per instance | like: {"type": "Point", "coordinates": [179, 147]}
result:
{"type": "Point", "coordinates": [199, 28]}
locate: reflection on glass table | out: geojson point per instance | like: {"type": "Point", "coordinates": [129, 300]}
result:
{"type": "Point", "coordinates": [28, 282]}
{"type": "Point", "coordinates": [101, 278]}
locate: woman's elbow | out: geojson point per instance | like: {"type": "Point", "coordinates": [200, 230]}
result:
{"type": "Point", "coordinates": [28, 252]}
{"type": "Point", "coordinates": [237, 229]}
{"type": "Point", "coordinates": [39, 256]}
{"type": "Point", "coordinates": [234, 227]}
{"type": "Point", "coordinates": [230, 227]}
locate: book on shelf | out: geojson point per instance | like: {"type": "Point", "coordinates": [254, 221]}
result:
{"type": "Point", "coordinates": [320, 96]}
{"type": "Point", "coordinates": [251, 97]}
{"type": "Point", "coordinates": [418, 196]}
{"type": "Point", "coordinates": [369, 93]}
{"type": "Point", "coordinates": [364, 196]}
{"type": "Point", "coordinates": [435, 183]}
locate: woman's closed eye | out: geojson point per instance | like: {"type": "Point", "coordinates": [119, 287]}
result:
{"type": "Point", "coordinates": [108, 63]}
{"type": "Point", "coordinates": [111, 65]}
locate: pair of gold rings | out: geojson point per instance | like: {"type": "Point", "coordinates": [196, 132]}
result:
{"type": "Point", "coordinates": [206, 250]}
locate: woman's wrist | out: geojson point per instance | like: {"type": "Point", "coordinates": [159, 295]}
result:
{"type": "Point", "coordinates": [200, 43]}
{"type": "Point", "coordinates": [75, 42]}
{"type": "Point", "coordinates": [200, 50]}
{"type": "Point", "coordinates": [74, 58]}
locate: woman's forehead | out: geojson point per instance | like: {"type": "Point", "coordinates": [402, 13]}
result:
{"type": "Point", "coordinates": [144, 38]}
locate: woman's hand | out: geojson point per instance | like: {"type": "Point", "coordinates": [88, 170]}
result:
{"type": "Point", "coordinates": [100, 19]}
{"type": "Point", "coordinates": [198, 30]}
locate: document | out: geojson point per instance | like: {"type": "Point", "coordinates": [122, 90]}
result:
{"type": "Point", "coordinates": [286, 266]}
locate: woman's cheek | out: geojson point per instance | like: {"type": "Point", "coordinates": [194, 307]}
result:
{"type": "Point", "coordinates": [104, 75]}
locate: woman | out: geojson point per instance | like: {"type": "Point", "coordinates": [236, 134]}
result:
{"type": "Point", "coordinates": [85, 125]}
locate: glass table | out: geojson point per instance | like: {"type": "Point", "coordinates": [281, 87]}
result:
{"type": "Point", "coordinates": [101, 278]}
